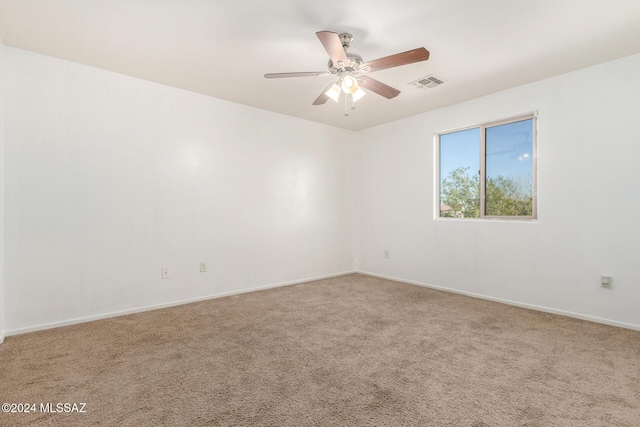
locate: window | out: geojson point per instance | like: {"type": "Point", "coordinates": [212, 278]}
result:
{"type": "Point", "coordinates": [488, 171]}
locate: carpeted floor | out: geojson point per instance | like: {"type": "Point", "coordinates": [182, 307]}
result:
{"type": "Point", "coordinates": [347, 351]}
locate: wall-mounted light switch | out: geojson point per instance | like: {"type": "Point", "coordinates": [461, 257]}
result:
{"type": "Point", "coordinates": [165, 273]}
{"type": "Point", "coordinates": [203, 267]}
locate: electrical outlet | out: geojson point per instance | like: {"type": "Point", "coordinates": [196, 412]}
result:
{"type": "Point", "coordinates": [165, 273]}
{"type": "Point", "coordinates": [605, 282]}
{"type": "Point", "coordinates": [203, 267]}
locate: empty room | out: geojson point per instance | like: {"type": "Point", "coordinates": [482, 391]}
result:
{"type": "Point", "coordinates": [337, 213]}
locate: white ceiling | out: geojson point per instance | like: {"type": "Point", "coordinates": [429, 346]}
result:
{"type": "Point", "coordinates": [223, 48]}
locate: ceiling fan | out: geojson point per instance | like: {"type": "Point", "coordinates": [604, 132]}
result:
{"type": "Point", "coordinates": [349, 68]}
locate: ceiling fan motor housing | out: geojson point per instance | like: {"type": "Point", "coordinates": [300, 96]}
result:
{"type": "Point", "coordinates": [355, 61]}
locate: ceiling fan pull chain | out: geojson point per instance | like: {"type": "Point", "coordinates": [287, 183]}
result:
{"type": "Point", "coordinates": [346, 107]}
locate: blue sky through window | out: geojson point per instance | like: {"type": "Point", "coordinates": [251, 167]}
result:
{"type": "Point", "coordinates": [460, 149]}
{"type": "Point", "coordinates": [509, 148]}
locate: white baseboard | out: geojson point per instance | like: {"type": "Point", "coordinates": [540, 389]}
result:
{"type": "Point", "coordinates": [515, 303]}
{"type": "Point", "coordinates": [76, 320]}
{"type": "Point", "coordinates": [311, 279]}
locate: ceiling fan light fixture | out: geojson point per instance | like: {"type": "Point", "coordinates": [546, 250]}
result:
{"type": "Point", "coordinates": [334, 92]}
{"type": "Point", "coordinates": [350, 85]}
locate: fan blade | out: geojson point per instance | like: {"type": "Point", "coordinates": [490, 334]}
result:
{"type": "Point", "coordinates": [404, 58]}
{"type": "Point", "coordinates": [378, 87]}
{"type": "Point", "coordinates": [304, 74]}
{"type": "Point", "coordinates": [323, 96]}
{"type": "Point", "coordinates": [333, 46]}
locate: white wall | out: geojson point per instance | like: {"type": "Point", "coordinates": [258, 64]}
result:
{"type": "Point", "coordinates": [109, 178]}
{"type": "Point", "coordinates": [1, 195]}
{"type": "Point", "coordinates": [589, 202]}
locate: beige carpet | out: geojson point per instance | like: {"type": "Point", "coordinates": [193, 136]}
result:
{"type": "Point", "coordinates": [348, 351]}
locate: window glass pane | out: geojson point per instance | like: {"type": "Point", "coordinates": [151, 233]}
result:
{"type": "Point", "coordinates": [509, 169]}
{"type": "Point", "coordinates": [459, 174]}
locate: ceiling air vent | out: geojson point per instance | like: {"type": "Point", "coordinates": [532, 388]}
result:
{"type": "Point", "coordinates": [428, 82]}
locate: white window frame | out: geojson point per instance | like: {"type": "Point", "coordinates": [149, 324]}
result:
{"type": "Point", "coordinates": [483, 127]}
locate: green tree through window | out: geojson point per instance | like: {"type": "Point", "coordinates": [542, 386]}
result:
{"type": "Point", "coordinates": [461, 194]}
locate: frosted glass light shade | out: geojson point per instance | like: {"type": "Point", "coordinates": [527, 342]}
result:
{"type": "Point", "coordinates": [349, 85]}
{"type": "Point", "coordinates": [333, 92]}
{"type": "Point", "coordinates": [359, 93]}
